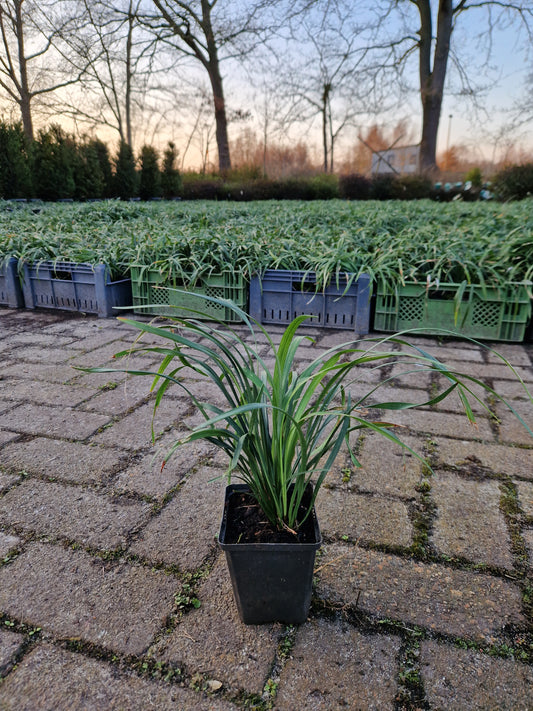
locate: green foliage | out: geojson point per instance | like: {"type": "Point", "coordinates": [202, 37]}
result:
{"type": "Point", "coordinates": [15, 176]}
{"type": "Point", "coordinates": [150, 176]}
{"type": "Point", "coordinates": [475, 177]}
{"type": "Point", "coordinates": [514, 183]}
{"type": "Point", "coordinates": [125, 179]}
{"type": "Point", "coordinates": [170, 175]}
{"type": "Point", "coordinates": [414, 187]}
{"type": "Point", "coordinates": [354, 187]}
{"type": "Point", "coordinates": [53, 157]}
{"type": "Point", "coordinates": [477, 243]}
{"type": "Point", "coordinates": [88, 174]}
{"type": "Point", "coordinates": [282, 426]}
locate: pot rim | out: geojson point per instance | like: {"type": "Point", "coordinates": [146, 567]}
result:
{"type": "Point", "coordinates": [282, 547]}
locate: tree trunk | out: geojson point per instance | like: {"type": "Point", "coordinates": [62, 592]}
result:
{"type": "Point", "coordinates": [432, 78]}
{"type": "Point", "coordinates": [127, 97]}
{"type": "Point", "coordinates": [213, 69]}
{"type": "Point", "coordinates": [325, 101]}
{"type": "Point", "coordinates": [24, 89]}
{"type": "Point", "coordinates": [224, 160]}
{"type": "Point", "coordinates": [25, 112]}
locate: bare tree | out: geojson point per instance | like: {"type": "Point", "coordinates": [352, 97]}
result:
{"type": "Point", "coordinates": [31, 61]}
{"type": "Point", "coordinates": [432, 42]}
{"type": "Point", "coordinates": [121, 68]}
{"type": "Point", "coordinates": [209, 31]}
{"type": "Point", "coordinates": [330, 76]}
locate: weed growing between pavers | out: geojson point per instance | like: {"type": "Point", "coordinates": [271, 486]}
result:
{"type": "Point", "coordinates": [411, 694]}
{"type": "Point", "coordinates": [519, 648]}
{"type": "Point", "coordinates": [142, 666]}
{"type": "Point", "coordinates": [31, 636]}
{"type": "Point", "coordinates": [423, 516]}
{"type": "Point", "coordinates": [510, 507]}
{"type": "Point", "coordinates": [283, 654]}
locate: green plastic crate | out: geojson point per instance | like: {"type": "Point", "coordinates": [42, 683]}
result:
{"type": "Point", "coordinates": [485, 313]}
{"type": "Point", "coordinates": [157, 293]}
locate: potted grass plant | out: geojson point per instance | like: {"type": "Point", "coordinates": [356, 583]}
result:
{"type": "Point", "coordinates": [282, 426]}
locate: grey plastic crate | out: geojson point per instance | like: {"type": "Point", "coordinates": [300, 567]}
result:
{"type": "Point", "coordinates": [282, 294]}
{"type": "Point", "coordinates": [10, 290]}
{"type": "Point", "coordinates": [70, 286]}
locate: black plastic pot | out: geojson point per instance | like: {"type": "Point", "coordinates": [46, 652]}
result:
{"type": "Point", "coordinates": [272, 582]}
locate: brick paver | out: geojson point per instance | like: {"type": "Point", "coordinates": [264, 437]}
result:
{"type": "Point", "coordinates": [469, 523]}
{"type": "Point", "coordinates": [113, 593]}
{"type": "Point", "coordinates": [460, 678]}
{"type": "Point", "coordinates": [48, 508]}
{"type": "Point", "coordinates": [73, 594]}
{"type": "Point", "coordinates": [334, 666]}
{"type": "Point", "coordinates": [56, 680]}
{"type": "Point", "coordinates": [457, 602]}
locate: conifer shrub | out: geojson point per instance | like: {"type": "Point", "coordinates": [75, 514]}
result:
{"type": "Point", "coordinates": [53, 156]}
{"type": "Point", "coordinates": [150, 176]}
{"type": "Point", "coordinates": [15, 174]}
{"type": "Point", "coordinates": [171, 183]}
{"type": "Point", "coordinates": [125, 178]}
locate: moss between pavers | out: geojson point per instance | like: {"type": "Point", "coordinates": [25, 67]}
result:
{"type": "Point", "coordinates": [525, 497]}
{"type": "Point", "coordinates": [496, 458]}
{"type": "Point", "coordinates": [7, 544]}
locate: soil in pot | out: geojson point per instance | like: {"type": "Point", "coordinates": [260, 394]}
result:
{"type": "Point", "coordinates": [246, 523]}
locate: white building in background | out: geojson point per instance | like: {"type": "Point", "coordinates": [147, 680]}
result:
{"type": "Point", "coordinates": [401, 161]}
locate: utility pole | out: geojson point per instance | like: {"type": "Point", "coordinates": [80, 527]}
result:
{"type": "Point", "coordinates": [449, 132]}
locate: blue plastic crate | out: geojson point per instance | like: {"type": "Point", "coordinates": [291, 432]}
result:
{"type": "Point", "coordinates": [282, 294]}
{"type": "Point", "coordinates": [70, 286]}
{"type": "Point", "coordinates": [10, 290]}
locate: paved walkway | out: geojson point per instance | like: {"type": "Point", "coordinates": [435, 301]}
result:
{"type": "Point", "coordinates": [113, 594]}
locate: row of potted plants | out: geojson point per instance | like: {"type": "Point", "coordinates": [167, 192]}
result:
{"type": "Point", "coordinates": [393, 242]}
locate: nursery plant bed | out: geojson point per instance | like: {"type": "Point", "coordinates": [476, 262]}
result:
{"type": "Point", "coordinates": [159, 295]}
{"type": "Point", "coordinates": [10, 290]}
{"type": "Point", "coordinates": [281, 294]}
{"type": "Point", "coordinates": [496, 314]}
{"type": "Point", "coordinates": [71, 286]}
{"type": "Point", "coordinates": [272, 581]}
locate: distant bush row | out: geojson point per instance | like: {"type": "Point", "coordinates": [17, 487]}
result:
{"type": "Point", "coordinates": [56, 166]}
